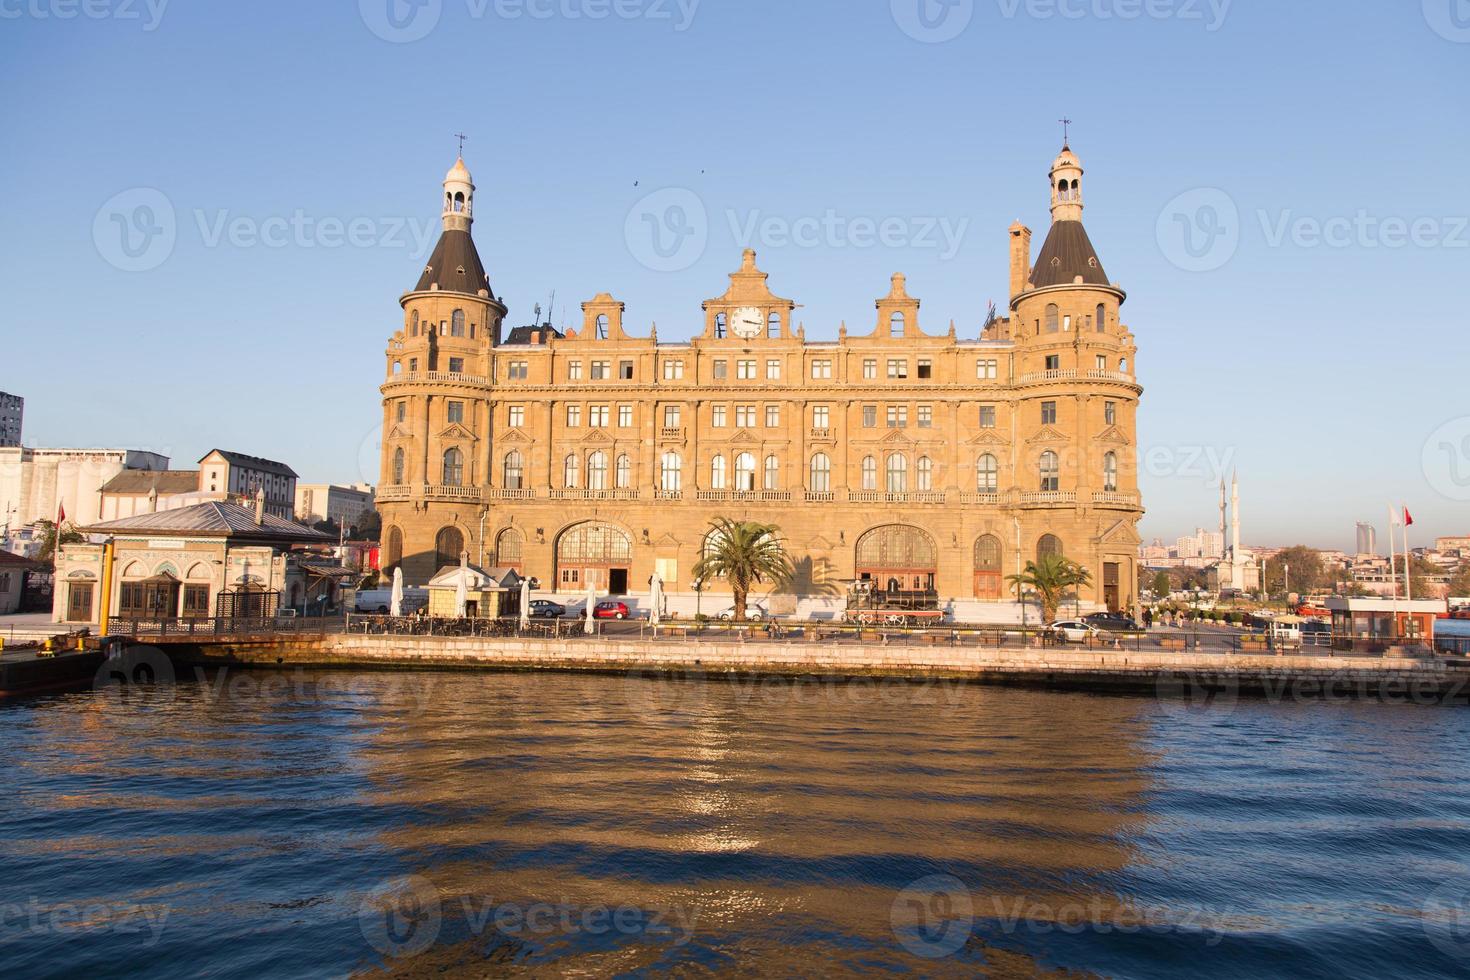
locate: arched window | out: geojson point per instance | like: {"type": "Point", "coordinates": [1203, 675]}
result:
{"type": "Point", "coordinates": [987, 567]}
{"type": "Point", "coordinates": [773, 326]}
{"type": "Point", "coordinates": [514, 471]}
{"type": "Point", "coordinates": [671, 473]}
{"type": "Point", "coordinates": [509, 548]}
{"type": "Point", "coordinates": [395, 549]}
{"type": "Point", "coordinates": [398, 467]}
{"type": "Point", "coordinates": [453, 468]}
{"type": "Point", "coordinates": [1049, 544]}
{"type": "Point", "coordinates": [602, 326]}
{"type": "Point", "coordinates": [448, 546]}
{"type": "Point", "coordinates": [397, 368]}
{"type": "Point", "coordinates": [745, 472]}
{"type": "Point", "coordinates": [1101, 319]}
{"type": "Point", "coordinates": [717, 473]}
{"type": "Point", "coordinates": [623, 474]}
{"type": "Point", "coordinates": [1110, 472]}
{"type": "Point", "coordinates": [987, 474]}
{"type": "Point", "coordinates": [870, 473]}
{"type": "Point", "coordinates": [1051, 472]}
{"type": "Point", "coordinates": [898, 473]}
{"type": "Point", "coordinates": [719, 325]}
{"type": "Point", "coordinates": [773, 473]}
{"type": "Point", "coordinates": [571, 472]}
{"type": "Point", "coordinates": [1123, 365]}
{"type": "Point", "coordinates": [895, 325]}
{"type": "Point", "coordinates": [926, 474]}
{"type": "Point", "coordinates": [456, 323]}
{"type": "Point", "coordinates": [1053, 318]}
{"type": "Point", "coordinates": [413, 324]}
{"type": "Point", "coordinates": [597, 471]}
{"type": "Point", "coordinates": [458, 203]}
{"type": "Point", "coordinates": [821, 475]}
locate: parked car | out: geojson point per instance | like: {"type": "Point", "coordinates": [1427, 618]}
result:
{"type": "Point", "coordinates": [1074, 631]}
{"type": "Point", "coordinates": [1112, 622]}
{"type": "Point", "coordinates": [546, 609]}
{"type": "Point", "coordinates": [610, 609]}
{"type": "Point", "coordinates": [754, 611]}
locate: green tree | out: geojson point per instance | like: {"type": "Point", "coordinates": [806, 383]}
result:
{"type": "Point", "coordinates": [69, 535]}
{"type": "Point", "coordinates": [1460, 583]}
{"type": "Point", "coordinates": [1050, 576]}
{"type": "Point", "coordinates": [1418, 570]}
{"type": "Point", "coordinates": [1162, 584]}
{"type": "Point", "coordinates": [1306, 571]}
{"type": "Point", "coordinates": [743, 553]}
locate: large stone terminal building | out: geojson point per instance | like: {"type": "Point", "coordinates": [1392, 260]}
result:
{"type": "Point", "coordinates": [904, 452]}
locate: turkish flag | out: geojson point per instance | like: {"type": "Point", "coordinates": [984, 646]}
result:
{"type": "Point", "coordinates": [60, 515]}
{"type": "Point", "coordinates": [1408, 518]}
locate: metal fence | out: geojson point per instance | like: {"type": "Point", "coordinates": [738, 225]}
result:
{"type": "Point", "coordinates": [221, 626]}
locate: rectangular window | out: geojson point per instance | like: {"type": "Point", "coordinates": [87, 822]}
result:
{"type": "Point", "coordinates": [745, 370]}
{"type": "Point", "coordinates": [926, 416]}
{"type": "Point", "coordinates": [898, 369]}
{"type": "Point", "coordinates": [1048, 413]}
{"type": "Point", "coordinates": [601, 370]}
{"type": "Point", "coordinates": [821, 417]}
{"type": "Point", "coordinates": [455, 411]}
{"type": "Point", "coordinates": [574, 416]}
{"type": "Point", "coordinates": [898, 416]}
{"type": "Point", "coordinates": [402, 411]}
{"type": "Point", "coordinates": [987, 416]}
{"type": "Point", "coordinates": [517, 417]}
{"type": "Point", "coordinates": [597, 416]}
{"type": "Point", "coordinates": [773, 416]}
{"type": "Point", "coordinates": [1053, 362]}
{"type": "Point", "coordinates": [773, 370]}
{"type": "Point", "coordinates": [717, 416]}
{"type": "Point", "coordinates": [870, 369]}
{"type": "Point", "coordinates": [413, 364]}
{"type": "Point", "coordinates": [745, 416]}
{"type": "Point", "coordinates": [822, 369]}
{"type": "Point", "coordinates": [196, 601]}
{"type": "Point", "coordinates": [673, 370]}
{"type": "Point", "coordinates": [926, 370]}
{"type": "Point", "coordinates": [1102, 362]}
{"type": "Point", "coordinates": [870, 416]}
{"type": "Point", "coordinates": [625, 416]}
{"type": "Point", "coordinates": [456, 365]}
{"type": "Point", "coordinates": [720, 371]}
{"type": "Point", "coordinates": [671, 417]}
{"type": "Point", "coordinates": [1110, 413]}
{"type": "Point", "coordinates": [625, 370]}
{"type": "Point", "coordinates": [987, 370]}
{"type": "Point", "coordinates": [574, 370]}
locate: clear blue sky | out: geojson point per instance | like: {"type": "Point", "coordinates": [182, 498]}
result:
{"type": "Point", "coordinates": [1319, 370]}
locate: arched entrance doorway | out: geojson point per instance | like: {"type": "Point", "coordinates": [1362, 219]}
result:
{"type": "Point", "coordinates": [509, 550]}
{"type": "Point", "coordinates": [987, 568]}
{"type": "Point", "coordinates": [448, 546]}
{"type": "Point", "coordinates": [594, 552]}
{"type": "Point", "coordinates": [901, 562]}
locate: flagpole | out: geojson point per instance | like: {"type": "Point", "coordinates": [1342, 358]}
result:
{"type": "Point", "coordinates": [1408, 577]}
{"type": "Point", "coordinates": [1393, 575]}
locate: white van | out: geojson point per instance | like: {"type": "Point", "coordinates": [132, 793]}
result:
{"type": "Point", "coordinates": [380, 601]}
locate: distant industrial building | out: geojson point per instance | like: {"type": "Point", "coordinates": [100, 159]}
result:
{"type": "Point", "coordinates": [12, 413]}
{"type": "Point", "coordinates": [343, 506]}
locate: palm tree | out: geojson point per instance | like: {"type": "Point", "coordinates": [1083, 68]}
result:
{"type": "Point", "coordinates": [1050, 576]}
{"type": "Point", "coordinates": [743, 553]}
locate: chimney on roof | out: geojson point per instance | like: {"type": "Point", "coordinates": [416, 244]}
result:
{"type": "Point", "coordinates": [260, 505]}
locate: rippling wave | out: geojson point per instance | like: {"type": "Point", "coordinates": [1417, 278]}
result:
{"type": "Point", "coordinates": [330, 824]}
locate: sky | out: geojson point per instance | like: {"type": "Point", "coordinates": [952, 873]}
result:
{"type": "Point", "coordinates": [210, 210]}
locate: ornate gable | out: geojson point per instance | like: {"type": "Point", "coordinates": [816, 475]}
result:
{"type": "Point", "coordinates": [1048, 433]}
{"type": "Point", "coordinates": [1114, 436]}
{"type": "Point", "coordinates": [1122, 534]}
{"type": "Point", "coordinates": [458, 433]}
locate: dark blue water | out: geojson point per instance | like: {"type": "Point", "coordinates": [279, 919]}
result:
{"type": "Point", "coordinates": [331, 825]}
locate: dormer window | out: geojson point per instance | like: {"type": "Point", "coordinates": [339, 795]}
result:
{"type": "Point", "coordinates": [720, 326]}
{"type": "Point", "coordinates": [773, 326]}
{"type": "Point", "coordinates": [896, 325]}
{"type": "Point", "coordinates": [602, 326]}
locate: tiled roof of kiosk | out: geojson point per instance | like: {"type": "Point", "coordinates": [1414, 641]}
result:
{"type": "Point", "coordinates": [214, 518]}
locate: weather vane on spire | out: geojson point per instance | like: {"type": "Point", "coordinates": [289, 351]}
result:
{"type": "Point", "coordinates": [1066, 131]}
{"type": "Point", "coordinates": [461, 137]}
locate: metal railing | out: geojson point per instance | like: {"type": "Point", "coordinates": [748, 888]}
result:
{"type": "Point", "coordinates": [217, 626]}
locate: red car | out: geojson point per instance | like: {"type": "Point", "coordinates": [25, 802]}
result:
{"type": "Point", "coordinates": [610, 610]}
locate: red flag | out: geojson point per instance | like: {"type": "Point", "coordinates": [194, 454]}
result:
{"type": "Point", "coordinates": [60, 515]}
{"type": "Point", "coordinates": [1408, 518]}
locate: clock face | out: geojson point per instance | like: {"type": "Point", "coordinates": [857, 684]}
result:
{"type": "Point", "coordinates": [747, 322]}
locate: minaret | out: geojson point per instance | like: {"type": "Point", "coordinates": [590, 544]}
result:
{"type": "Point", "coordinates": [1235, 518]}
{"type": "Point", "coordinates": [1223, 538]}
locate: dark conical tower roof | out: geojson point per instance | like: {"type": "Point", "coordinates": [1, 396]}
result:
{"type": "Point", "coordinates": [455, 265]}
{"type": "Point", "coordinates": [1067, 254]}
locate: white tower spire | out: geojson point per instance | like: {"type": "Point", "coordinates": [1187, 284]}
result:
{"type": "Point", "coordinates": [1235, 517]}
{"type": "Point", "coordinates": [459, 198]}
